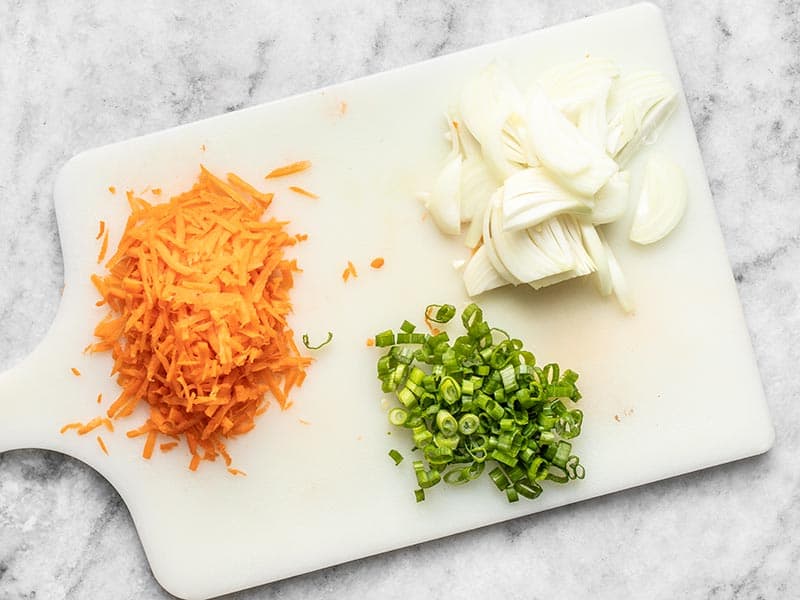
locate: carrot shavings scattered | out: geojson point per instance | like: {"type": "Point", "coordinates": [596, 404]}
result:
{"type": "Point", "coordinates": [198, 296]}
{"type": "Point", "coordinates": [237, 472]}
{"type": "Point", "coordinates": [291, 169]}
{"type": "Point", "coordinates": [349, 271]}
{"type": "Point", "coordinates": [302, 192]}
{"type": "Point", "coordinates": [370, 342]}
{"type": "Point", "coordinates": [69, 426]}
{"type": "Point", "coordinates": [102, 445]}
{"type": "Point", "coordinates": [167, 446]}
{"type": "Point", "coordinates": [99, 398]}
{"type": "Point", "coordinates": [156, 191]}
{"type": "Point", "coordinates": [102, 230]}
{"type": "Point", "coordinates": [301, 237]}
{"type": "Point", "coordinates": [112, 189]}
{"type": "Point", "coordinates": [377, 263]}
{"type": "Point", "coordinates": [75, 372]}
{"type": "Point", "coordinates": [103, 247]}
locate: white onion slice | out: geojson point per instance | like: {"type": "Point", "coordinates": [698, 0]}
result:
{"type": "Point", "coordinates": [637, 104]}
{"type": "Point", "coordinates": [561, 148]}
{"type": "Point", "coordinates": [486, 104]}
{"type": "Point", "coordinates": [611, 201]}
{"type": "Point", "coordinates": [479, 275]}
{"type": "Point", "coordinates": [662, 201]}
{"type": "Point", "coordinates": [619, 285]}
{"type": "Point", "coordinates": [489, 243]}
{"type": "Point", "coordinates": [444, 202]}
{"type": "Point", "coordinates": [574, 84]}
{"type": "Point", "coordinates": [531, 197]}
{"type": "Point", "coordinates": [596, 250]}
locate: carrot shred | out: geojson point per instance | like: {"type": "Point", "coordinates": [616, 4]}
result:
{"type": "Point", "coordinates": [156, 191]}
{"type": "Point", "coordinates": [303, 192]}
{"type": "Point", "coordinates": [112, 189]}
{"type": "Point", "coordinates": [69, 426]}
{"type": "Point", "coordinates": [103, 247]}
{"type": "Point", "coordinates": [75, 372]}
{"type": "Point", "coordinates": [377, 263]}
{"type": "Point", "coordinates": [198, 292]}
{"type": "Point", "coordinates": [102, 445]}
{"type": "Point", "coordinates": [236, 472]}
{"type": "Point", "coordinates": [352, 268]}
{"type": "Point", "coordinates": [102, 229]}
{"type": "Point", "coordinates": [295, 167]}
{"type": "Point", "coordinates": [370, 342]}
{"type": "Point", "coordinates": [99, 398]}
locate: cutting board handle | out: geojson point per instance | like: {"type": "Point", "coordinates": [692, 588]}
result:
{"type": "Point", "coordinates": [23, 391]}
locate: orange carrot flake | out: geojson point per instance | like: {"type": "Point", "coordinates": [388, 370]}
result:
{"type": "Point", "coordinates": [377, 263]}
{"type": "Point", "coordinates": [112, 189]}
{"type": "Point", "coordinates": [103, 247]}
{"type": "Point", "coordinates": [302, 192]}
{"type": "Point", "coordinates": [75, 372]}
{"type": "Point", "coordinates": [198, 297]}
{"type": "Point", "coordinates": [237, 472]}
{"type": "Point", "coordinates": [102, 230]}
{"type": "Point", "coordinates": [99, 398]}
{"type": "Point", "coordinates": [295, 167]}
{"type": "Point", "coordinates": [102, 445]}
{"type": "Point", "coordinates": [156, 191]}
{"type": "Point", "coordinates": [167, 446]}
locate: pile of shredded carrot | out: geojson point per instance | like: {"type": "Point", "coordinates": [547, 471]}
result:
{"type": "Point", "coordinates": [198, 292]}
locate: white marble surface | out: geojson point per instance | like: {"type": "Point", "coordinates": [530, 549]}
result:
{"type": "Point", "coordinates": [79, 74]}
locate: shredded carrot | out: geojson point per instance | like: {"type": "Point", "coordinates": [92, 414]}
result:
{"type": "Point", "coordinates": [370, 342]}
{"type": "Point", "coordinates": [90, 426]}
{"type": "Point", "coordinates": [301, 237]}
{"type": "Point", "coordinates": [167, 446]}
{"type": "Point", "coordinates": [103, 247]}
{"type": "Point", "coordinates": [102, 230]}
{"type": "Point", "coordinates": [99, 398]}
{"type": "Point", "coordinates": [69, 426]}
{"type": "Point", "coordinates": [102, 445]}
{"type": "Point", "coordinates": [377, 263]}
{"type": "Point", "coordinates": [350, 271]}
{"type": "Point", "coordinates": [302, 192]}
{"type": "Point", "coordinates": [198, 296]}
{"type": "Point", "coordinates": [237, 472]}
{"type": "Point", "coordinates": [75, 372]}
{"type": "Point", "coordinates": [112, 189]}
{"type": "Point", "coordinates": [342, 107]}
{"type": "Point", "coordinates": [156, 191]}
{"type": "Point", "coordinates": [291, 169]}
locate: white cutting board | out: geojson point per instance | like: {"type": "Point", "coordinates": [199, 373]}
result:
{"type": "Point", "coordinates": [672, 389]}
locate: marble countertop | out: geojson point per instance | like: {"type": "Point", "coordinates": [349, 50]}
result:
{"type": "Point", "coordinates": [80, 74]}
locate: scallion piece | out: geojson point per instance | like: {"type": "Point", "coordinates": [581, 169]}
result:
{"type": "Point", "coordinates": [396, 456]}
{"type": "Point", "coordinates": [327, 341]}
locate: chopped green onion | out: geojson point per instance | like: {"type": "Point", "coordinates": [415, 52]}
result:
{"type": "Point", "coordinates": [443, 314]}
{"type": "Point", "coordinates": [327, 341]}
{"type": "Point", "coordinates": [396, 456]}
{"type": "Point", "coordinates": [473, 401]}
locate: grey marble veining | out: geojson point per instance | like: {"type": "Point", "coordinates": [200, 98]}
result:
{"type": "Point", "coordinates": [80, 74]}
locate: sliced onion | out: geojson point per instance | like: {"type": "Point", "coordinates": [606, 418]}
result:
{"type": "Point", "coordinates": [489, 242]}
{"type": "Point", "coordinates": [444, 203]}
{"type": "Point", "coordinates": [518, 252]}
{"type": "Point", "coordinates": [661, 203]}
{"type": "Point", "coordinates": [479, 275]}
{"type": "Point", "coordinates": [561, 148]}
{"type": "Point", "coordinates": [618, 283]}
{"type": "Point", "coordinates": [486, 104]}
{"type": "Point", "coordinates": [531, 197]}
{"type": "Point", "coordinates": [566, 234]}
{"type": "Point", "coordinates": [611, 201]}
{"type": "Point", "coordinates": [477, 186]}
{"type": "Point", "coordinates": [574, 84]}
{"type": "Point", "coordinates": [637, 104]}
{"type": "Point", "coordinates": [596, 250]}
